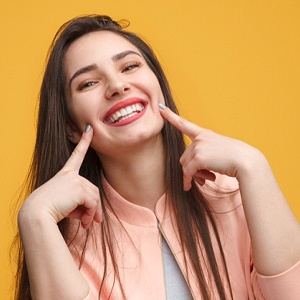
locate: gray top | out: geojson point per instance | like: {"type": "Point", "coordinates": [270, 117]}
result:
{"type": "Point", "coordinates": [176, 286]}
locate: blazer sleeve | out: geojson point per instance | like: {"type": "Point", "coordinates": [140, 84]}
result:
{"type": "Point", "coordinates": [285, 285]}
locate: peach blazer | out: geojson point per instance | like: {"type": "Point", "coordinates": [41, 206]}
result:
{"type": "Point", "coordinates": [139, 251]}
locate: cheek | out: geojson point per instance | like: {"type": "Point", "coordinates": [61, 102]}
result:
{"type": "Point", "coordinates": [154, 88]}
{"type": "Point", "coordinates": [159, 92]}
{"type": "Point", "coordinates": [81, 114]}
{"type": "Point", "coordinates": [159, 98]}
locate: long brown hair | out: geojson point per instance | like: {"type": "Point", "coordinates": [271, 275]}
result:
{"type": "Point", "coordinates": [52, 149]}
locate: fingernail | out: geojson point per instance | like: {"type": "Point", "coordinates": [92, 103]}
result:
{"type": "Point", "coordinates": [88, 128]}
{"type": "Point", "coordinates": [162, 106]}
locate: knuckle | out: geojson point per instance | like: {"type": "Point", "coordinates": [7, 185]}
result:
{"type": "Point", "coordinates": [95, 189]}
{"type": "Point", "coordinates": [180, 121]}
{"type": "Point", "coordinates": [198, 156]}
{"type": "Point", "coordinates": [198, 138]}
{"type": "Point", "coordinates": [76, 151]}
{"type": "Point", "coordinates": [79, 188]}
{"type": "Point", "coordinates": [185, 170]}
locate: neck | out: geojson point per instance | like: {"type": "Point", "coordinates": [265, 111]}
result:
{"type": "Point", "coordinates": [137, 172]}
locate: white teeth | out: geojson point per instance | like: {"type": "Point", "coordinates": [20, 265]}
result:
{"type": "Point", "coordinates": [117, 115]}
{"type": "Point", "coordinates": [125, 113]}
{"type": "Point", "coordinates": [129, 110]}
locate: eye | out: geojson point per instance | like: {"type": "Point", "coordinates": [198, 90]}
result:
{"type": "Point", "coordinates": [87, 84]}
{"type": "Point", "coordinates": [130, 66]}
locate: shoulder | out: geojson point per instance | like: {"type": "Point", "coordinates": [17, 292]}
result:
{"type": "Point", "coordinates": [223, 194]}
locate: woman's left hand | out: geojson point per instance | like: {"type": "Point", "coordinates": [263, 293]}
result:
{"type": "Point", "coordinates": [271, 223]}
{"type": "Point", "coordinates": [210, 152]}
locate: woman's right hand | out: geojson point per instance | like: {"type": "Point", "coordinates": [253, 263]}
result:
{"type": "Point", "coordinates": [67, 194]}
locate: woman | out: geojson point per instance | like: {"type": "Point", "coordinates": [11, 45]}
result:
{"type": "Point", "coordinates": [120, 208]}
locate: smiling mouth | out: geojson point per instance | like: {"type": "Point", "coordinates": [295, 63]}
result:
{"type": "Point", "coordinates": [125, 113]}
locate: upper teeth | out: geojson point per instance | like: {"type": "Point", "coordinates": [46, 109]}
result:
{"type": "Point", "coordinates": [125, 113]}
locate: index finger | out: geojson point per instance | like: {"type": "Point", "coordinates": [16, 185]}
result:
{"type": "Point", "coordinates": [185, 126]}
{"type": "Point", "coordinates": [77, 156]}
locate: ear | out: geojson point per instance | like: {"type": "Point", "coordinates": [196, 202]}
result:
{"type": "Point", "coordinates": [73, 133]}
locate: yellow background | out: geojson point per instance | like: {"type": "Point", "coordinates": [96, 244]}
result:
{"type": "Point", "coordinates": [234, 67]}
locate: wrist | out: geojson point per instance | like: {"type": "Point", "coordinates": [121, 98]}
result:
{"type": "Point", "coordinates": [32, 215]}
{"type": "Point", "coordinates": [253, 165]}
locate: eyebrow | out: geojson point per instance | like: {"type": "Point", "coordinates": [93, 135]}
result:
{"type": "Point", "coordinates": [123, 54]}
{"type": "Point", "coordinates": [82, 71]}
{"type": "Point", "coordinates": [93, 67]}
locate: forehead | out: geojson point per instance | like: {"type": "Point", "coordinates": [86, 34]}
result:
{"type": "Point", "coordinates": [98, 45]}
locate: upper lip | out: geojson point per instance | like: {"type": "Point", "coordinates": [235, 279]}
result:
{"type": "Point", "coordinates": [123, 104]}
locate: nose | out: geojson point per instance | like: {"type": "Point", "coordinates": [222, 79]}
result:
{"type": "Point", "coordinates": [116, 87]}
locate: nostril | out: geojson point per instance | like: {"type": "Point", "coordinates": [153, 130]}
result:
{"type": "Point", "coordinates": [117, 90]}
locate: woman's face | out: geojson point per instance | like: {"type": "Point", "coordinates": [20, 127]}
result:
{"type": "Point", "coordinates": [110, 86]}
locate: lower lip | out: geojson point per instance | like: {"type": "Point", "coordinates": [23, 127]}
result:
{"type": "Point", "coordinates": [128, 120]}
